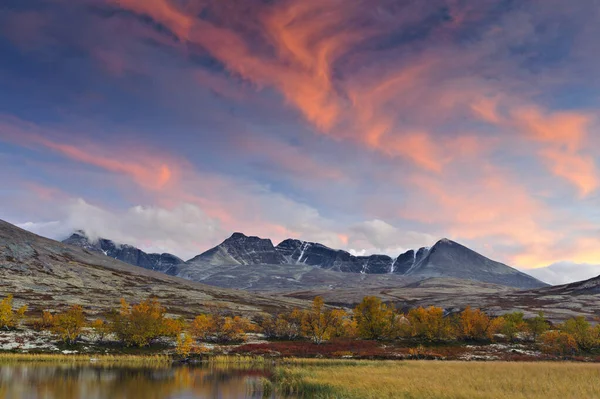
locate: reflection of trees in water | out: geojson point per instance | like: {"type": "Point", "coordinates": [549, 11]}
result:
{"type": "Point", "coordinates": [73, 382]}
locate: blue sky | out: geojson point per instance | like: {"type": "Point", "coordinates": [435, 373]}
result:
{"type": "Point", "coordinates": [372, 126]}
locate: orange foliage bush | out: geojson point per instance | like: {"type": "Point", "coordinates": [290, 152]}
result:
{"type": "Point", "coordinates": [558, 343]}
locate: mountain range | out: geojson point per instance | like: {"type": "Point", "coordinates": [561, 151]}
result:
{"type": "Point", "coordinates": [46, 274]}
{"type": "Point", "coordinates": [445, 259]}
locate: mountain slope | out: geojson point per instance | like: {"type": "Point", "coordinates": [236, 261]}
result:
{"type": "Point", "coordinates": [242, 250]}
{"type": "Point", "coordinates": [450, 259]}
{"type": "Point", "coordinates": [579, 288]}
{"type": "Point", "coordinates": [47, 274]}
{"type": "Point", "coordinates": [165, 263]}
{"type": "Point", "coordinates": [445, 259]}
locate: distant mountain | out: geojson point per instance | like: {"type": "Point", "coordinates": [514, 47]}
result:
{"type": "Point", "coordinates": [579, 288]}
{"type": "Point", "coordinates": [164, 263]}
{"type": "Point", "coordinates": [47, 274]}
{"type": "Point", "coordinates": [445, 259]}
{"type": "Point", "coordinates": [450, 259]}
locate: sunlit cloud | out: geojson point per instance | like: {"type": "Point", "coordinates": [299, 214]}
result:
{"type": "Point", "coordinates": [371, 126]}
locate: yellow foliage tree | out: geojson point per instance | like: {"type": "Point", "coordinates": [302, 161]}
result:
{"type": "Point", "coordinates": [173, 327]}
{"type": "Point", "coordinates": [514, 325]}
{"type": "Point", "coordinates": [430, 324]}
{"type": "Point", "coordinates": [474, 324]}
{"type": "Point", "coordinates": [185, 344]}
{"type": "Point", "coordinates": [496, 326]}
{"type": "Point", "coordinates": [68, 325]}
{"type": "Point", "coordinates": [202, 327]}
{"type": "Point", "coordinates": [586, 336]}
{"type": "Point", "coordinates": [100, 328]}
{"type": "Point", "coordinates": [219, 328]}
{"type": "Point", "coordinates": [289, 325]}
{"type": "Point", "coordinates": [139, 324]}
{"type": "Point", "coordinates": [45, 322]}
{"type": "Point", "coordinates": [234, 329]}
{"type": "Point", "coordinates": [558, 343]}
{"type": "Point", "coordinates": [266, 324]}
{"type": "Point", "coordinates": [9, 318]}
{"type": "Point", "coordinates": [342, 326]}
{"type": "Point", "coordinates": [320, 323]}
{"type": "Point", "coordinates": [372, 318]}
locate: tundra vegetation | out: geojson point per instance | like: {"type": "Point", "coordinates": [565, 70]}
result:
{"type": "Point", "coordinates": [146, 323]}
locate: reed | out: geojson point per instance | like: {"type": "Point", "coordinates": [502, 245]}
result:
{"type": "Point", "coordinates": [440, 380]}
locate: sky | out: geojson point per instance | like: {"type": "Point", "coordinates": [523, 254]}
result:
{"type": "Point", "coordinates": [374, 126]}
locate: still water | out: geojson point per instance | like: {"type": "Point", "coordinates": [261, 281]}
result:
{"type": "Point", "coordinates": [42, 381]}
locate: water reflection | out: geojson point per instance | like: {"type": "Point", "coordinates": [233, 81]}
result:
{"type": "Point", "coordinates": [29, 381]}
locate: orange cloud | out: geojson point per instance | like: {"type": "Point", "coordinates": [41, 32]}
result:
{"type": "Point", "coordinates": [150, 174]}
{"type": "Point", "coordinates": [145, 169]}
{"type": "Point", "coordinates": [305, 40]}
{"type": "Point", "coordinates": [564, 135]}
{"type": "Point", "coordinates": [44, 192]}
{"type": "Point", "coordinates": [162, 11]}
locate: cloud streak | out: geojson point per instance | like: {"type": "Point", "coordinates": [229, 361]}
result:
{"type": "Point", "coordinates": [368, 125]}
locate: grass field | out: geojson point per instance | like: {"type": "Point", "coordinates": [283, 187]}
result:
{"type": "Point", "coordinates": [439, 380]}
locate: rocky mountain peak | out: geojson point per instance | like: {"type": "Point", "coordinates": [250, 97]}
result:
{"type": "Point", "coordinates": [237, 236]}
{"type": "Point", "coordinates": [165, 262]}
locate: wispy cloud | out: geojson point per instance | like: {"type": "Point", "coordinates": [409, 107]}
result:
{"type": "Point", "coordinates": [364, 124]}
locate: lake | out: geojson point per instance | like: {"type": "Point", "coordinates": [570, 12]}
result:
{"type": "Point", "coordinates": [56, 381]}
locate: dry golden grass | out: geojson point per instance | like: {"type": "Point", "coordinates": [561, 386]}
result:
{"type": "Point", "coordinates": [441, 380]}
{"type": "Point", "coordinates": [131, 360]}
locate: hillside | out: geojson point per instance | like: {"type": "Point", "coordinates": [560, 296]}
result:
{"type": "Point", "coordinates": [47, 274]}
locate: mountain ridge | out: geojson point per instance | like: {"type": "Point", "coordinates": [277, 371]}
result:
{"type": "Point", "coordinates": [164, 263]}
{"type": "Point", "coordinates": [445, 258]}
{"type": "Point", "coordinates": [47, 274]}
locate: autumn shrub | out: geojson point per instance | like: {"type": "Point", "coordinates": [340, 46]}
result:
{"type": "Point", "coordinates": [586, 336]}
{"type": "Point", "coordinates": [219, 328]}
{"type": "Point", "coordinates": [100, 329]}
{"type": "Point", "coordinates": [536, 326]}
{"type": "Point", "coordinates": [289, 325]}
{"type": "Point", "coordinates": [185, 344]}
{"type": "Point", "coordinates": [558, 343]}
{"type": "Point", "coordinates": [68, 325]}
{"type": "Point", "coordinates": [234, 329]}
{"type": "Point", "coordinates": [320, 324]}
{"type": "Point", "coordinates": [372, 318]}
{"type": "Point", "coordinates": [9, 317]}
{"type": "Point", "coordinates": [140, 324]}
{"type": "Point", "coordinates": [266, 325]}
{"type": "Point", "coordinates": [475, 324]}
{"type": "Point", "coordinates": [45, 322]}
{"type": "Point", "coordinates": [173, 328]}
{"type": "Point", "coordinates": [429, 324]}
{"type": "Point", "coordinates": [514, 325]}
